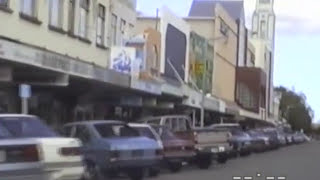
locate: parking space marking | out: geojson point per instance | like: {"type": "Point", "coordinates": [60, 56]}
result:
{"type": "Point", "coordinates": [270, 178]}
{"type": "Point", "coordinates": [237, 178]}
{"type": "Point", "coordinates": [282, 178]}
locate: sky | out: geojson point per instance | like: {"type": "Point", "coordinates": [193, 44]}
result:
{"type": "Point", "coordinates": [297, 41]}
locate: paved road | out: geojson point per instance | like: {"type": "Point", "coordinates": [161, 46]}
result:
{"type": "Point", "coordinates": [298, 162]}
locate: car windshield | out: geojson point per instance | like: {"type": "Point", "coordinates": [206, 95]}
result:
{"type": "Point", "coordinates": [26, 127]}
{"type": "Point", "coordinates": [107, 130]}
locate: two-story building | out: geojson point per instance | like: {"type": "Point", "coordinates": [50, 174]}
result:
{"type": "Point", "coordinates": [62, 49]}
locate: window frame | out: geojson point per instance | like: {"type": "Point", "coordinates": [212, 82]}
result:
{"type": "Point", "coordinates": [60, 15]}
{"type": "Point", "coordinates": [122, 28]}
{"type": "Point", "coordinates": [84, 7]}
{"type": "Point", "coordinates": [114, 33]}
{"type": "Point", "coordinates": [6, 7]}
{"type": "Point", "coordinates": [5, 3]}
{"type": "Point", "coordinates": [33, 12]}
{"type": "Point", "coordinates": [101, 15]}
{"type": "Point", "coordinates": [71, 17]}
{"type": "Point", "coordinates": [224, 28]}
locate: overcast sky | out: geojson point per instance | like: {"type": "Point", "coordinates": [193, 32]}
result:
{"type": "Point", "coordinates": [297, 39]}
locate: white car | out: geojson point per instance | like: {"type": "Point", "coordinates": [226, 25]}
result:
{"type": "Point", "coordinates": [31, 150]}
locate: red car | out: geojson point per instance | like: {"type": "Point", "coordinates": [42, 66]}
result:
{"type": "Point", "coordinates": [176, 150]}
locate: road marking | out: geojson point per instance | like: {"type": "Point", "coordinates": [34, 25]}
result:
{"type": "Point", "coordinates": [282, 178]}
{"type": "Point", "coordinates": [248, 178]}
{"type": "Point", "coordinates": [270, 178]}
{"type": "Point", "coordinates": [237, 178]}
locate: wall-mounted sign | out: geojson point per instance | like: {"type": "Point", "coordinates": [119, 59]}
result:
{"type": "Point", "coordinates": [25, 91]}
{"type": "Point", "coordinates": [123, 59]}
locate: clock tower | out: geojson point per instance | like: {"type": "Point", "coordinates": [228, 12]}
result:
{"type": "Point", "coordinates": [264, 19]}
{"type": "Point", "coordinates": [263, 34]}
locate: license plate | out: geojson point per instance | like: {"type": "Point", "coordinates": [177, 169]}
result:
{"type": "Point", "coordinates": [2, 156]}
{"type": "Point", "coordinates": [221, 149]}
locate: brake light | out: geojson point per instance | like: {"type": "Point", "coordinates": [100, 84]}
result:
{"type": "Point", "coordinates": [70, 151]}
{"type": "Point", "coordinates": [31, 154]}
{"type": "Point", "coordinates": [195, 135]}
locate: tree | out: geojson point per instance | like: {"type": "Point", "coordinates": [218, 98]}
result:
{"type": "Point", "coordinates": [294, 108]}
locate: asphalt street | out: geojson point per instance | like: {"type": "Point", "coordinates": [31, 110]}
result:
{"type": "Point", "coordinates": [297, 162]}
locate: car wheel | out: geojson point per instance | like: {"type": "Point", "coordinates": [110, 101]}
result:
{"type": "Point", "coordinates": [175, 166]}
{"type": "Point", "coordinates": [136, 173]}
{"type": "Point", "coordinates": [204, 162]}
{"type": "Point", "coordinates": [222, 159]}
{"type": "Point", "coordinates": [92, 172]}
{"type": "Point", "coordinates": [153, 172]}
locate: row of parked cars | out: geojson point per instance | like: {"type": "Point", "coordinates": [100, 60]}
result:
{"type": "Point", "coordinates": [96, 150]}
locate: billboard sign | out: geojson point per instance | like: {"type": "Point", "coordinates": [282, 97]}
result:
{"type": "Point", "coordinates": [123, 59]}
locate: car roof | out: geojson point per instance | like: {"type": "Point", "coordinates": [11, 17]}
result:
{"type": "Point", "coordinates": [226, 125]}
{"type": "Point", "coordinates": [139, 125]}
{"type": "Point", "coordinates": [16, 115]}
{"type": "Point", "coordinates": [92, 122]}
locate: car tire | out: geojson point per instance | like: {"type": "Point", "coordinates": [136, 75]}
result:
{"type": "Point", "coordinates": [175, 166]}
{"type": "Point", "coordinates": [153, 172]}
{"type": "Point", "coordinates": [204, 162]}
{"type": "Point", "coordinates": [136, 173]}
{"type": "Point", "coordinates": [222, 159]}
{"type": "Point", "coordinates": [92, 172]}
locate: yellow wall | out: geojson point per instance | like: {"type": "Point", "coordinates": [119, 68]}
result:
{"type": "Point", "coordinates": [12, 26]}
{"type": "Point", "coordinates": [203, 27]}
{"type": "Point", "coordinates": [144, 23]}
{"type": "Point", "coordinates": [225, 50]}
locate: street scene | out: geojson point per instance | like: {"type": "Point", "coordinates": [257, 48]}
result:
{"type": "Point", "coordinates": [293, 163]}
{"type": "Point", "coordinates": [101, 89]}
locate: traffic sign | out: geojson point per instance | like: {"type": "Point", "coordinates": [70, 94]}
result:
{"type": "Point", "coordinates": [25, 91]}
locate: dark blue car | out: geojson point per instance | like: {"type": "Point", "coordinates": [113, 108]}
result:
{"type": "Point", "coordinates": [111, 147]}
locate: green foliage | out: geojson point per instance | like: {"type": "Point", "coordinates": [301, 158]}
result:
{"type": "Point", "coordinates": [294, 108]}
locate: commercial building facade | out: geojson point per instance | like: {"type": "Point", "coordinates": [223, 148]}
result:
{"type": "Point", "coordinates": [95, 60]}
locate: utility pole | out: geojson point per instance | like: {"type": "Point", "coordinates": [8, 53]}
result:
{"type": "Point", "coordinates": [204, 86]}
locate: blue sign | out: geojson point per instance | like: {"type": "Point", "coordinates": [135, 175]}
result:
{"type": "Point", "coordinates": [25, 91]}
